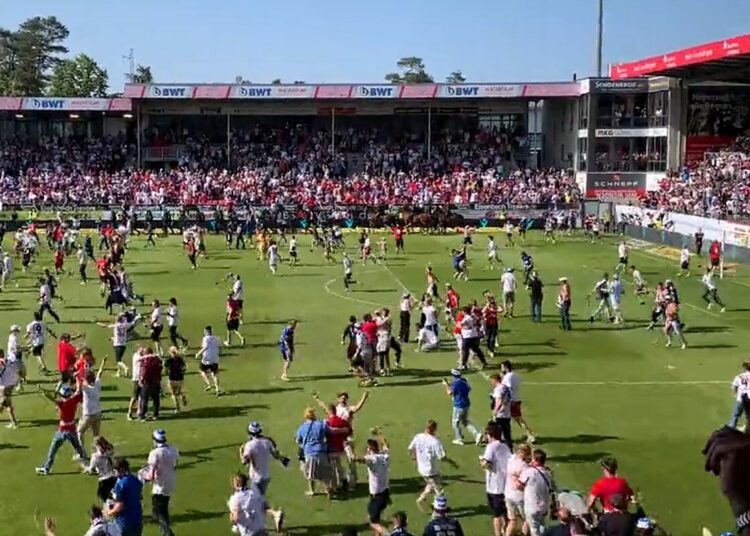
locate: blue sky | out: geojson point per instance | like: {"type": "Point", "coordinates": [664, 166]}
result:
{"type": "Point", "coordinates": [360, 40]}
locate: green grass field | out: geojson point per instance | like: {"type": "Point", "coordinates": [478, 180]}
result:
{"type": "Point", "coordinates": [595, 391]}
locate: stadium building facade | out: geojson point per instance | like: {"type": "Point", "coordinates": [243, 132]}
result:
{"type": "Point", "coordinates": [620, 134]}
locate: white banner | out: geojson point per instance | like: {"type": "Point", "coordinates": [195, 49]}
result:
{"type": "Point", "coordinates": [384, 91]}
{"type": "Point", "coordinates": [736, 234]}
{"type": "Point", "coordinates": [273, 92]}
{"type": "Point", "coordinates": [631, 132]}
{"type": "Point", "coordinates": [457, 91]}
{"type": "Point", "coordinates": [170, 91]}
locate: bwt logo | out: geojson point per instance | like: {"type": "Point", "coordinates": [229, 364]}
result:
{"type": "Point", "coordinates": [376, 91]}
{"type": "Point", "coordinates": [255, 91]}
{"type": "Point", "coordinates": [49, 104]}
{"type": "Point", "coordinates": [461, 91]}
{"type": "Point", "coordinates": [168, 91]}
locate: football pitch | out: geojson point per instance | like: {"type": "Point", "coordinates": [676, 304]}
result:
{"type": "Point", "coordinates": [596, 391]}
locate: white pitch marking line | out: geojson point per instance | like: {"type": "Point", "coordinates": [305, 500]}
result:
{"type": "Point", "coordinates": [627, 383]}
{"type": "Point", "coordinates": [327, 288]}
{"type": "Point", "coordinates": [396, 278]}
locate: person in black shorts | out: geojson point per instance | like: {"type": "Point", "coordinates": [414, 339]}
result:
{"type": "Point", "coordinates": [175, 365]}
{"type": "Point", "coordinates": [156, 323]}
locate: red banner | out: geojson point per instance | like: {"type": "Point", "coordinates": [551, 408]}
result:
{"type": "Point", "coordinates": [10, 103]}
{"type": "Point", "coordinates": [697, 146]}
{"type": "Point", "coordinates": [681, 58]}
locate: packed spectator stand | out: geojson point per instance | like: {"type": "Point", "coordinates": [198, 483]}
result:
{"type": "Point", "coordinates": [717, 187]}
{"type": "Point", "coordinates": [285, 166]}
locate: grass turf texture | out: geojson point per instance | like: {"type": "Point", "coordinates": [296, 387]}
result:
{"type": "Point", "coordinates": [572, 400]}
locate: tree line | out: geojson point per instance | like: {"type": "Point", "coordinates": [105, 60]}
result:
{"type": "Point", "coordinates": [34, 61]}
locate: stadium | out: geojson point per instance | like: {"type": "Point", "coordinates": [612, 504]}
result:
{"type": "Point", "coordinates": [382, 250]}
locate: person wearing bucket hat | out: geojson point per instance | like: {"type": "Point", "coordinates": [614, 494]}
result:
{"type": "Point", "coordinates": [67, 405]}
{"type": "Point", "coordinates": [458, 389]}
{"type": "Point", "coordinates": [441, 523]}
{"type": "Point", "coordinates": [405, 306]}
{"type": "Point", "coordinates": [160, 471]}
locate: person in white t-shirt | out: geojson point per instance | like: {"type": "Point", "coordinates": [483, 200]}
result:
{"type": "Point", "coordinates": [430, 316]}
{"type": "Point", "coordinates": [238, 294]}
{"type": "Point", "coordinates": [427, 339]}
{"type": "Point", "coordinates": [517, 464]}
{"type": "Point", "coordinates": [494, 461]}
{"type": "Point", "coordinates": [91, 415]}
{"type": "Point", "coordinates": [120, 333]}
{"type": "Point", "coordinates": [257, 454]}
{"type": "Point", "coordinates": [513, 381]}
{"type": "Point", "coordinates": [741, 390]}
{"type": "Point", "coordinates": [684, 262]}
{"type": "Point", "coordinates": [209, 356]}
{"type": "Point", "coordinates": [508, 282]}
{"type": "Point", "coordinates": [35, 333]}
{"type": "Point", "coordinates": [8, 381]}
{"type": "Point", "coordinates": [538, 486]}
{"type": "Point", "coordinates": [135, 369]}
{"type": "Point", "coordinates": [247, 508]}
{"type": "Point", "coordinates": [427, 449]}
{"type": "Point", "coordinates": [378, 462]}
{"type": "Point", "coordinates": [160, 471]}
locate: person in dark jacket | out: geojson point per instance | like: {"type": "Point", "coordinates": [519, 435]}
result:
{"type": "Point", "coordinates": [536, 293]}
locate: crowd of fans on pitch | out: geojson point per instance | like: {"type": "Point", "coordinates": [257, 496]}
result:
{"type": "Point", "coordinates": [717, 187]}
{"type": "Point", "coordinates": [283, 165]}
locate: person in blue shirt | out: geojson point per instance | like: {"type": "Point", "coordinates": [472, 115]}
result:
{"type": "Point", "coordinates": [442, 524]}
{"type": "Point", "coordinates": [312, 438]}
{"type": "Point", "coordinates": [286, 347]}
{"type": "Point", "coordinates": [126, 508]}
{"type": "Point", "coordinates": [458, 389]}
{"type": "Point", "coordinates": [528, 267]}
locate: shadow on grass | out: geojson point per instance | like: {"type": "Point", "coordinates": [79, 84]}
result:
{"type": "Point", "coordinates": [195, 515]}
{"type": "Point", "coordinates": [376, 290]}
{"type": "Point", "coordinates": [708, 329]}
{"type": "Point", "coordinates": [579, 439]}
{"type": "Point", "coordinates": [218, 412]}
{"type": "Point", "coordinates": [12, 446]}
{"type": "Point", "coordinates": [265, 390]}
{"type": "Point", "coordinates": [711, 346]}
{"type": "Point", "coordinates": [588, 457]}
{"type": "Point", "coordinates": [528, 366]}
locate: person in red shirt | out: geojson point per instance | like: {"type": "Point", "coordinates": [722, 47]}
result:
{"type": "Point", "coordinates": [398, 234]}
{"type": "Point", "coordinates": [150, 383]}
{"type": "Point", "coordinates": [233, 320]}
{"type": "Point", "coordinates": [191, 252]}
{"type": "Point", "coordinates": [66, 359]}
{"type": "Point", "coordinates": [714, 254]}
{"type": "Point", "coordinates": [83, 365]}
{"type": "Point", "coordinates": [608, 486]}
{"type": "Point", "coordinates": [59, 260]}
{"type": "Point", "coordinates": [67, 406]}
{"type": "Point", "coordinates": [370, 329]}
{"type": "Point", "coordinates": [339, 430]}
{"type": "Point", "coordinates": [452, 302]}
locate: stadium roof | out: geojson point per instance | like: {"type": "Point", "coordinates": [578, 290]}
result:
{"type": "Point", "coordinates": [727, 60]}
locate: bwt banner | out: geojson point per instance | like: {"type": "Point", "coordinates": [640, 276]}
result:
{"type": "Point", "coordinates": [359, 91]}
{"type": "Point", "coordinates": [376, 92]}
{"type": "Point", "coordinates": [272, 92]}
{"type": "Point", "coordinates": [615, 186]}
{"type": "Point", "coordinates": [75, 104]}
{"type": "Point", "coordinates": [170, 92]}
{"type": "Point", "coordinates": [489, 90]}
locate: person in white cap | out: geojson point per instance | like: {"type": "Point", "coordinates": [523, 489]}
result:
{"type": "Point", "coordinates": [405, 306]}
{"type": "Point", "coordinates": [160, 471]}
{"type": "Point", "coordinates": [458, 389]}
{"type": "Point", "coordinates": [441, 523]}
{"type": "Point", "coordinates": [14, 353]}
{"type": "Point", "coordinates": [257, 454]}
